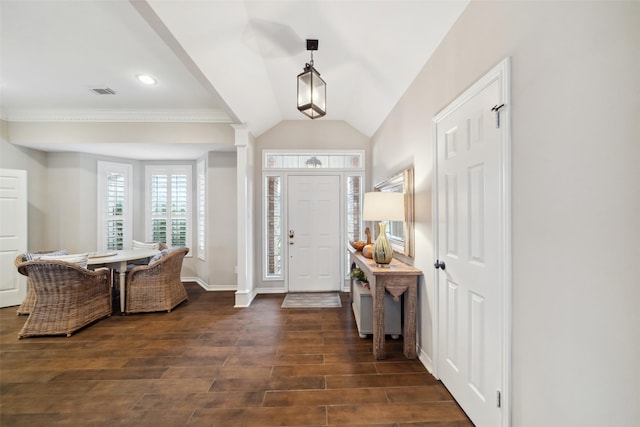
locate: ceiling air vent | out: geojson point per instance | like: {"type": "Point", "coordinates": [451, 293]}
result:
{"type": "Point", "coordinates": [105, 91]}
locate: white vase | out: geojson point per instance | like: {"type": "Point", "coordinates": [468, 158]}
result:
{"type": "Point", "coordinates": [382, 252]}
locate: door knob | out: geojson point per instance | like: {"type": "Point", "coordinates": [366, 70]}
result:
{"type": "Point", "coordinates": [439, 264]}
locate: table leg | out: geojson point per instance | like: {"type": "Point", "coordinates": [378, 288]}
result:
{"type": "Point", "coordinates": [377, 296]}
{"type": "Point", "coordinates": [409, 329]}
{"type": "Point", "coordinates": [123, 276]}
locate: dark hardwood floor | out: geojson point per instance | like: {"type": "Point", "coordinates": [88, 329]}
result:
{"type": "Point", "coordinates": [209, 364]}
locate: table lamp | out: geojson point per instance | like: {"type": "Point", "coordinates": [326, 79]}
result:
{"type": "Point", "coordinates": [383, 206]}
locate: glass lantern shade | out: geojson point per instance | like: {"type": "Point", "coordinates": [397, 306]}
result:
{"type": "Point", "coordinates": [312, 93]}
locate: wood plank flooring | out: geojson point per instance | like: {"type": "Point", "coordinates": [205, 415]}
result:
{"type": "Point", "coordinates": [210, 364]}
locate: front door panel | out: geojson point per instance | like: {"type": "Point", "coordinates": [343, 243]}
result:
{"type": "Point", "coordinates": [314, 233]}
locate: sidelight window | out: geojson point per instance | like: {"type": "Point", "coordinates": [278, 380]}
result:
{"type": "Point", "coordinates": [273, 227]}
{"type": "Point", "coordinates": [354, 207]}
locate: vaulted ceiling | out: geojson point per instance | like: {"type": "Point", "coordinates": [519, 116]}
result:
{"type": "Point", "coordinates": [215, 61]}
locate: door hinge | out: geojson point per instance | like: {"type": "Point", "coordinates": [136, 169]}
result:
{"type": "Point", "coordinates": [497, 109]}
{"type": "Point", "coordinates": [498, 399]}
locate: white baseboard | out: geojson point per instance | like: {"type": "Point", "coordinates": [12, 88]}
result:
{"type": "Point", "coordinates": [244, 299]}
{"type": "Point", "coordinates": [204, 285]}
{"type": "Point", "coordinates": [271, 290]}
{"type": "Point", "coordinates": [426, 361]}
{"type": "Point", "coordinates": [282, 290]}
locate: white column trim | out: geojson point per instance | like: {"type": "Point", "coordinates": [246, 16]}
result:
{"type": "Point", "coordinates": [245, 291]}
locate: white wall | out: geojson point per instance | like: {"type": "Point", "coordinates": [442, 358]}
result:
{"type": "Point", "coordinates": [309, 134]}
{"type": "Point", "coordinates": [576, 196]}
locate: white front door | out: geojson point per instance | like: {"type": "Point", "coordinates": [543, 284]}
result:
{"type": "Point", "coordinates": [471, 252]}
{"type": "Point", "coordinates": [13, 234]}
{"type": "Point", "coordinates": [313, 233]}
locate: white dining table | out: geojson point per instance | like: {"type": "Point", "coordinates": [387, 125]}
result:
{"type": "Point", "coordinates": [119, 260]}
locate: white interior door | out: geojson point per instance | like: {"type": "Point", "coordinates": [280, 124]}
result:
{"type": "Point", "coordinates": [314, 233]}
{"type": "Point", "coordinates": [470, 251]}
{"type": "Point", "coordinates": [13, 234]}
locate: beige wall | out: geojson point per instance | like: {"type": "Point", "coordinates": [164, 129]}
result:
{"type": "Point", "coordinates": [62, 185]}
{"type": "Point", "coordinates": [576, 196]}
{"type": "Point", "coordinates": [72, 211]}
{"type": "Point", "coordinates": [298, 135]}
{"type": "Point", "coordinates": [35, 163]}
{"type": "Point", "coordinates": [310, 134]}
{"type": "Point", "coordinates": [218, 270]}
{"type": "Point", "coordinates": [52, 133]}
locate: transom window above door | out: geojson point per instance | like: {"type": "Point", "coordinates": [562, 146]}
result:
{"type": "Point", "coordinates": [312, 160]}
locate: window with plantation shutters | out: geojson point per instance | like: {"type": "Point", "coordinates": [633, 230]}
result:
{"type": "Point", "coordinates": [114, 206]}
{"type": "Point", "coordinates": [169, 209]}
{"type": "Point", "coordinates": [202, 202]}
{"type": "Point", "coordinates": [115, 211]}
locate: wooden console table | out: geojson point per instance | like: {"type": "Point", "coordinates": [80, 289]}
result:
{"type": "Point", "coordinates": [399, 278]}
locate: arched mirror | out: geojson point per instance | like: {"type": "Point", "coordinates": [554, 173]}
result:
{"type": "Point", "coordinates": [400, 233]}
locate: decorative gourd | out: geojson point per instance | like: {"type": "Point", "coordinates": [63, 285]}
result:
{"type": "Point", "coordinates": [367, 251]}
{"type": "Point", "coordinates": [358, 245]}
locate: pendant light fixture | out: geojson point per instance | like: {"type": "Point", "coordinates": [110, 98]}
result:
{"type": "Point", "coordinates": [312, 90]}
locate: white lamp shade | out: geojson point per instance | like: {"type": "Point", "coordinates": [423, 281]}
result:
{"type": "Point", "coordinates": [383, 206]}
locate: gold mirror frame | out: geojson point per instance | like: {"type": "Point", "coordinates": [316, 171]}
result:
{"type": "Point", "coordinates": [402, 182]}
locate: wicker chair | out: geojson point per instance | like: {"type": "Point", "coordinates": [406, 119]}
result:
{"type": "Point", "coordinates": [131, 265]}
{"type": "Point", "coordinates": [157, 286]}
{"type": "Point", "coordinates": [67, 297]}
{"type": "Point", "coordinates": [30, 298]}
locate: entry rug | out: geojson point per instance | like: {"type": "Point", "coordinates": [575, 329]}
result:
{"type": "Point", "coordinates": [312, 300]}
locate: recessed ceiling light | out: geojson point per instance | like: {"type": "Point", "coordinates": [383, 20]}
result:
{"type": "Point", "coordinates": [146, 79]}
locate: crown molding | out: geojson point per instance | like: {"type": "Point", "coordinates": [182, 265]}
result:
{"type": "Point", "coordinates": [161, 116]}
